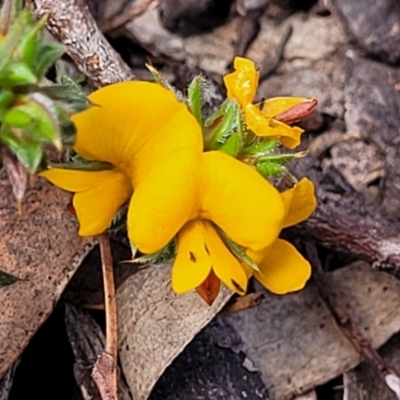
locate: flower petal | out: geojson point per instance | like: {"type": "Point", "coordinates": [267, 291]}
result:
{"type": "Point", "coordinates": [284, 269]}
{"type": "Point", "coordinates": [95, 208]}
{"type": "Point", "coordinates": [74, 180]}
{"type": "Point", "coordinates": [164, 202]}
{"type": "Point", "coordinates": [192, 263]}
{"type": "Point", "coordinates": [242, 83]}
{"type": "Point", "coordinates": [134, 125]}
{"type": "Point", "coordinates": [225, 265]}
{"type": "Point", "coordinates": [209, 289]}
{"type": "Point", "coordinates": [272, 107]}
{"type": "Point", "coordinates": [240, 201]}
{"type": "Point", "coordinates": [269, 127]}
{"type": "Point", "coordinates": [299, 202]}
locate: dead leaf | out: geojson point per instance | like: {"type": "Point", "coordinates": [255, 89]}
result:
{"type": "Point", "coordinates": [364, 383]}
{"type": "Point", "coordinates": [41, 247]}
{"type": "Point", "coordinates": [155, 325]}
{"type": "Point", "coordinates": [293, 341]}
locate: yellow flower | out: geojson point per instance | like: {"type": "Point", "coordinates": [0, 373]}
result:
{"type": "Point", "coordinates": [222, 192]}
{"type": "Point", "coordinates": [264, 119]}
{"type": "Point", "coordinates": [134, 126]}
{"type": "Point", "coordinates": [282, 269]}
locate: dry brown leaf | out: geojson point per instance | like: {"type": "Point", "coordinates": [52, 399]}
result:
{"type": "Point", "coordinates": [155, 325]}
{"type": "Point", "coordinates": [364, 383]}
{"type": "Point", "coordinates": [41, 247]}
{"type": "Point", "coordinates": [293, 340]}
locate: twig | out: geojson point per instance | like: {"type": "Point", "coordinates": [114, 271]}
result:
{"type": "Point", "coordinates": [344, 320]}
{"type": "Point", "coordinates": [137, 8]}
{"type": "Point", "coordinates": [74, 26]}
{"type": "Point", "coordinates": [374, 243]}
{"type": "Point", "coordinates": [105, 370]}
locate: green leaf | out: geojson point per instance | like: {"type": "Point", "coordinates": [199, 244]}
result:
{"type": "Point", "coordinates": [49, 54]}
{"type": "Point", "coordinates": [232, 145]}
{"type": "Point", "coordinates": [221, 125]}
{"type": "Point", "coordinates": [17, 118]}
{"type": "Point", "coordinates": [68, 133]}
{"type": "Point", "coordinates": [237, 250]}
{"type": "Point", "coordinates": [167, 254]}
{"type": "Point", "coordinates": [17, 73]}
{"type": "Point", "coordinates": [269, 169]}
{"type": "Point", "coordinates": [6, 99]}
{"type": "Point", "coordinates": [7, 279]}
{"type": "Point", "coordinates": [30, 154]}
{"type": "Point", "coordinates": [195, 98]}
{"type": "Point", "coordinates": [69, 98]}
{"type": "Point", "coordinates": [260, 147]}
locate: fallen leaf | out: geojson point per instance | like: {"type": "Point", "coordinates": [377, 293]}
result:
{"type": "Point", "coordinates": [155, 325]}
{"type": "Point", "coordinates": [293, 341]}
{"type": "Point", "coordinates": [42, 247]}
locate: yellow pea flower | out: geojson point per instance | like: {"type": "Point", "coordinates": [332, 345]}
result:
{"type": "Point", "coordinates": [134, 126]}
{"type": "Point", "coordinates": [222, 192]}
{"type": "Point", "coordinates": [282, 269]}
{"type": "Point", "coordinates": [268, 118]}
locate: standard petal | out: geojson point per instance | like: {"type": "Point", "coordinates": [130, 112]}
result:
{"type": "Point", "coordinates": [240, 201]}
{"type": "Point", "coordinates": [164, 202]}
{"type": "Point", "coordinates": [95, 208]}
{"type": "Point", "coordinates": [192, 263]}
{"type": "Point", "coordinates": [299, 201]}
{"type": "Point", "coordinates": [284, 269]}
{"type": "Point", "coordinates": [225, 265]}
{"type": "Point", "coordinates": [242, 83]}
{"type": "Point", "coordinates": [289, 136]}
{"type": "Point", "coordinates": [74, 180]}
{"type": "Point", "coordinates": [134, 125]}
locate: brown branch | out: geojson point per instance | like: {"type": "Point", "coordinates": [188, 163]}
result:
{"type": "Point", "coordinates": [74, 26]}
{"type": "Point", "coordinates": [105, 371]}
{"type": "Point", "coordinates": [136, 9]}
{"type": "Point", "coordinates": [375, 243]}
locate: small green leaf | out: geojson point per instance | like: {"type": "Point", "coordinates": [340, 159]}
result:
{"type": "Point", "coordinates": [17, 74]}
{"type": "Point", "coordinates": [237, 250]}
{"type": "Point", "coordinates": [269, 169]}
{"type": "Point", "coordinates": [49, 54]}
{"type": "Point", "coordinates": [220, 126]}
{"type": "Point", "coordinates": [260, 147]}
{"type": "Point", "coordinates": [167, 254]}
{"type": "Point", "coordinates": [30, 154]}
{"type": "Point", "coordinates": [6, 99]}
{"type": "Point", "coordinates": [17, 118]}
{"type": "Point", "coordinates": [195, 98]}
{"type": "Point", "coordinates": [7, 279]}
{"type": "Point", "coordinates": [232, 145]}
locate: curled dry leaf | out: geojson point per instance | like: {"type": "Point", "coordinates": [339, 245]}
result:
{"type": "Point", "coordinates": [42, 248]}
{"type": "Point", "coordinates": [155, 325]}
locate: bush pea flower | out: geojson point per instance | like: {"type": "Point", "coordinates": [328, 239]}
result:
{"type": "Point", "coordinates": [133, 126]}
{"type": "Point", "coordinates": [269, 118]}
{"type": "Point", "coordinates": [223, 192]}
